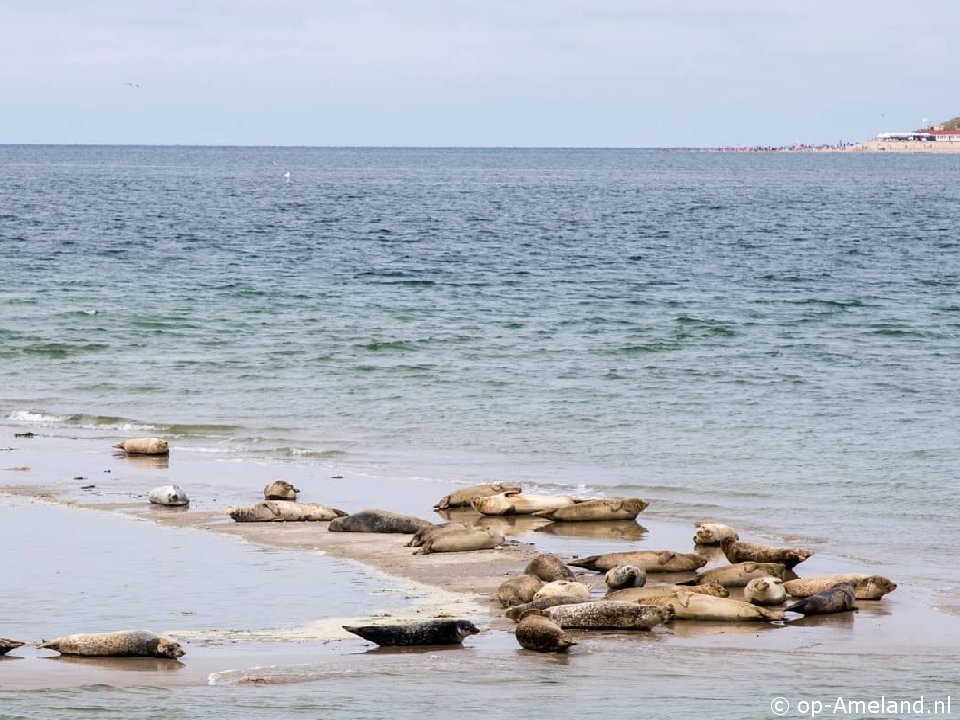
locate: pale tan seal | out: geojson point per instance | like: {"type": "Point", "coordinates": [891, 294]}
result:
{"type": "Point", "coordinates": [463, 498]}
{"type": "Point", "coordinates": [565, 588]}
{"type": "Point", "coordinates": [607, 615]}
{"type": "Point", "coordinates": [284, 511]}
{"type": "Point", "coordinates": [462, 541]}
{"type": "Point", "coordinates": [653, 561]}
{"type": "Point", "coordinates": [280, 490]}
{"type": "Point", "coordinates": [625, 576]}
{"type": "Point", "coordinates": [548, 568]}
{"type": "Point", "coordinates": [518, 590]}
{"type": "Point", "coordinates": [517, 612]}
{"type": "Point", "coordinates": [865, 587]}
{"type": "Point", "coordinates": [144, 446]}
{"type": "Point", "coordinates": [737, 551]}
{"type": "Point", "coordinates": [516, 503]}
{"type": "Point", "coordinates": [541, 634]}
{"type": "Point", "coordinates": [713, 533]}
{"type": "Point", "coordinates": [839, 598]}
{"type": "Point", "coordinates": [660, 590]}
{"type": "Point", "coordinates": [766, 590]}
{"type": "Point", "coordinates": [694, 606]}
{"type": "Point", "coordinates": [594, 510]}
{"type": "Point", "coordinates": [425, 533]}
{"type": "Point", "coordinates": [135, 643]}
{"type": "Point", "coordinates": [169, 495]}
{"type": "Point", "coordinates": [739, 574]}
{"type": "Point", "coordinates": [6, 645]}
{"type": "Point", "coordinates": [378, 521]}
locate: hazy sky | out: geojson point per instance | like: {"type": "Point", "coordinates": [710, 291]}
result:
{"type": "Point", "coordinates": [624, 73]}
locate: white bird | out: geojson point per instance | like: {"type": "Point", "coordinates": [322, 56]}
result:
{"type": "Point", "coordinates": [287, 175]}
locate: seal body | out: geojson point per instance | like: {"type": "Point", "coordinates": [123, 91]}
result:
{"type": "Point", "coordinates": [865, 587]}
{"type": "Point", "coordinates": [430, 632]}
{"type": "Point", "coordinates": [462, 541]}
{"type": "Point", "coordinates": [172, 495]}
{"type": "Point", "coordinates": [739, 574]}
{"type": "Point", "coordinates": [378, 521]}
{"type": "Point", "coordinates": [515, 503]}
{"type": "Point", "coordinates": [602, 509]}
{"type": "Point", "coordinates": [839, 598]}
{"type": "Point", "coordinates": [137, 643]}
{"type": "Point", "coordinates": [280, 490]}
{"type": "Point", "coordinates": [516, 613]}
{"type": "Point", "coordinates": [661, 590]}
{"type": "Point", "coordinates": [563, 588]}
{"type": "Point", "coordinates": [548, 568]}
{"type": "Point", "coordinates": [144, 446]}
{"type": "Point", "coordinates": [541, 634]}
{"type": "Point", "coordinates": [607, 615]}
{"type": "Point", "coordinates": [713, 533]}
{"type": "Point", "coordinates": [463, 498]}
{"type": "Point", "coordinates": [695, 606]}
{"type": "Point", "coordinates": [766, 590]}
{"type": "Point", "coordinates": [518, 590]}
{"type": "Point", "coordinates": [284, 511]}
{"type": "Point", "coordinates": [426, 533]}
{"type": "Point", "coordinates": [737, 551]}
{"type": "Point", "coordinates": [652, 561]}
{"type": "Point", "coordinates": [625, 576]}
{"type": "Point", "coordinates": [6, 645]}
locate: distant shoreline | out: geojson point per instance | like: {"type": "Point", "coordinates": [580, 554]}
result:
{"type": "Point", "coordinates": [870, 146]}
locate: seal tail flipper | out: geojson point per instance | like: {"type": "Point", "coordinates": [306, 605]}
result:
{"type": "Point", "coordinates": [548, 514]}
{"type": "Point", "coordinates": [797, 607]}
{"type": "Point", "coordinates": [590, 563]}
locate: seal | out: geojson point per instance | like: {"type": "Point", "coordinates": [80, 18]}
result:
{"type": "Point", "coordinates": [172, 495]}
{"type": "Point", "coordinates": [625, 576]}
{"type": "Point", "coordinates": [548, 568]}
{"type": "Point", "coordinates": [144, 446]}
{"type": "Point", "coordinates": [713, 533]}
{"type": "Point", "coordinates": [518, 590]}
{"type": "Point", "coordinates": [652, 561]}
{"type": "Point", "coordinates": [516, 503]}
{"type": "Point", "coordinates": [695, 606]}
{"type": "Point", "coordinates": [839, 598]}
{"type": "Point", "coordinates": [739, 574]}
{"type": "Point", "coordinates": [425, 533]}
{"type": "Point", "coordinates": [661, 590]}
{"type": "Point", "coordinates": [378, 521]}
{"type": "Point", "coordinates": [429, 632]}
{"type": "Point", "coordinates": [136, 643]}
{"type": "Point", "coordinates": [865, 587]}
{"type": "Point", "coordinates": [280, 490]}
{"type": "Point", "coordinates": [6, 645]}
{"type": "Point", "coordinates": [737, 551]}
{"type": "Point", "coordinates": [766, 590]}
{"type": "Point", "coordinates": [563, 588]}
{"type": "Point", "coordinates": [463, 498]}
{"type": "Point", "coordinates": [607, 615]}
{"type": "Point", "coordinates": [541, 634]}
{"type": "Point", "coordinates": [462, 541]}
{"type": "Point", "coordinates": [516, 613]}
{"type": "Point", "coordinates": [593, 510]}
{"type": "Point", "coordinates": [284, 511]}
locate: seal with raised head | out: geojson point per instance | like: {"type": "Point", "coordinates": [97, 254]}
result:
{"type": "Point", "coordinates": [599, 509]}
{"type": "Point", "coordinates": [425, 533]}
{"type": "Point", "coordinates": [766, 590]}
{"type": "Point", "coordinates": [6, 645]}
{"type": "Point", "coordinates": [463, 498]}
{"type": "Point", "coordinates": [739, 574]}
{"type": "Point", "coordinates": [517, 503]}
{"type": "Point", "coordinates": [713, 533]}
{"type": "Point", "coordinates": [839, 598]}
{"type": "Point", "coordinates": [737, 551]}
{"type": "Point", "coordinates": [280, 490]}
{"type": "Point", "coordinates": [133, 643]}
{"type": "Point", "coordinates": [695, 606]}
{"type": "Point", "coordinates": [516, 613]}
{"type": "Point", "coordinates": [462, 541]}
{"type": "Point", "coordinates": [659, 590]}
{"type": "Point", "coordinates": [653, 561]}
{"type": "Point", "coordinates": [378, 521]}
{"type": "Point", "coordinates": [144, 446]}
{"type": "Point", "coordinates": [625, 576]}
{"type": "Point", "coordinates": [518, 590]}
{"type": "Point", "coordinates": [563, 588]}
{"type": "Point", "coordinates": [172, 495]}
{"type": "Point", "coordinates": [607, 615]}
{"type": "Point", "coordinates": [549, 567]}
{"type": "Point", "coordinates": [541, 634]}
{"type": "Point", "coordinates": [865, 587]}
{"type": "Point", "coordinates": [284, 511]}
{"type": "Point", "coordinates": [428, 632]}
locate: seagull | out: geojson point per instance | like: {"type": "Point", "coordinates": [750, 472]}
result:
{"type": "Point", "coordinates": [286, 175]}
{"type": "Point", "coordinates": [131, 85]}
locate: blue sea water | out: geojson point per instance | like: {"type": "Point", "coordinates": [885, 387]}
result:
{"type": "Point", "coordinates": [769, 340]}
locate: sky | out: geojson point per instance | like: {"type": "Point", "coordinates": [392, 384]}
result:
{"type": "Point", "coordinates": [531, 73]}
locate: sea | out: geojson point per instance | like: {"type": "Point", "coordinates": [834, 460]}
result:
{"type": "Point", "coordinates": [770, 340]}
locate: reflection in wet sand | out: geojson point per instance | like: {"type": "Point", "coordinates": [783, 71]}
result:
{"type": "Point", "coordinates": [127, 664]}
{"type": "Point", "coordinates": [705, 628]}
{"type": "Point", "coordinates": [842, 620]}
{"type": "Point", "coordinates": [600, 530]}
{"type": "Point", "coordinates": [510, 524]}
{"type": "Point", "coordinates": [148, 462]}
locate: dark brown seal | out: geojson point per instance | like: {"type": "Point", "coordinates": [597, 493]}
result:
{"type": "Point", "coordinates": [839, 598]}
{"type": "Point", "coordinates": [737, 552]}
{"type": "Point", "coordinates": [429, 632]}
{"type": "Point", "coordinates": [378, 521]}
{"type": "Point", "coordinates": [541, 634]}
{"type": "Point", "coordinates": [138, 643]}
{"type": "Point", "coordinates": [6, 645]}
{"type": "Point", "coordinates": [518, 590]}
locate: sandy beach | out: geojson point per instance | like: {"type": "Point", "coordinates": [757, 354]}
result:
{"type": "Point", "coordinates": [905, 146]}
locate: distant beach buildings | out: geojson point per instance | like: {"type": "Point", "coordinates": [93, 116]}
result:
{"type": "Point", "coordinates": [946, 132]}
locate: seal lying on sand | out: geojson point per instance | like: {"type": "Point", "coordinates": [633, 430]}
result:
{"type": "Point", "coordinates": [653, 561]}
{"type": "Point", "coordinates": [516, 613]}
{"type": "Point", "coordinates": [144, 446]}
{"type": "Point", "coordinates": [563, 588]}
{"type": "Point", "coordinates": [429, 632]}
{"type": "Point", "coordinates": [463, 498]}
{"type": "Point", "coordinates": [378, 521]}
{"type": "Point", "coordinates": [602, 509]}
{"type": "Point", "coordinates": [284, 511]}
{"type": "Point", "coordinates": [516, 503]}
{"type": "Point", "coordinates": [625, 576]}
{"type": "Point", "coordinates": [6, 645]}
{"type": "Point", "coordinates": [713, 533]}
{"type": "Point", "coordinates": [540, 633]}
{"type": "Point", "coordinates": [137, 643]}
{"type": "Point", "coordinates": [461, 541]}
{"type": "Point", "coordinates": [694, 606]}
{"type": "Point", "coordinates": [865, 587]}
{"type": "Point", "coordinates": [766, 590]}
{"type": "Point", "coordinates": [280, 490]}
{"type": "Point", "coordinates": [518, 590]}
{"type": "Point", "coordinates": [839, 598]}
{"type": "Point", "coordinates": [548, 568]}
{"type": "Point", "coordinates": [660, 590]}
{"type": "Point", "coordinates": [172, 495]}
{"type": "Point", "coordinates": [426, 533]}
{"type": "Point", "coordinates": [607, 615]}
{"type": "Point", "coordinates": [737, 551]}
{"type": "Point", "coordinates": [739, 574]}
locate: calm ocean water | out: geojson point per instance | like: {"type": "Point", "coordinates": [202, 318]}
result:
{"type": "Point", "coordinates": [769, 340]}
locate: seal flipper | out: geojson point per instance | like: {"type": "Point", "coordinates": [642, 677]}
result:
{"type": "Point", "coordinates": [49, 645]}
{"type": "Point", "coordinates": [548, 514]}
{"type": "Point", "coordinates": [590, 563]}
{"type": "Point", "coordinates": [798, 607]}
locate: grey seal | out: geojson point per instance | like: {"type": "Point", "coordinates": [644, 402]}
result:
{"type": "Point", "coordinates": [653, 561]}
{"type": "Point", "coordinates": [135, 643]}
{"type": "Point", "coordinates": [172, 495]}
{"type": "Point", "coordinates": [594, 510]}
{"type": "Point", "coordinates": [713, 533]}
{"type": "Point", "coordinates": [739, 574]}
{"type": "Point", "coordinates": [461, 541]}
{"type": "Point", "coordinates": [463, 498]}
{"type": "Point", "coordinates": [518, 590]}
{"type": "Point", "coordinates": [378, 521]}
{"type": "Point", "coordinates": [625, 576]}
{"type": "Point", "coordinates": [144, 446]}
{"type": "Point", "coordinates": [865, 587]}
{"type": "Point", "coordinates": [426, 533]}
{"type": "Point", "coordinates": [516, 503]}
{"type": "Point", "coordinates": [839, 598]}
{"type": "Point", "coordinates": [516, 613]}
{"type": "Point", "coordinates": [429, 632]}
{"type": "Point", "coordinates": [737, 551]}
{"type": "Point", "coordinates": [280, 490]}
{"type": "Point", "coordinates": [284, 511]}
{"type": "Point", "coordinates": [607, 615]}
{"type": "Point", "coordinates": [541, 634]}
{"type": "Point", "coordinates": [548, 568]}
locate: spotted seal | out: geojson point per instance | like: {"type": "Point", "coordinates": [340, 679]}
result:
{"type": "Point", "coordinates": [625, 576]}
{"type": "Point", "coordinates": [594, 510]}
{"type": "Point", "coordinates": [136, 643]}
{"type": "Point", "coordinates": [378, 521]}
{"type": "Point", "coordinates": [280, 490]}
{"type": "Point", "coordinates": [713, 533]}
{"type": "Point", "coordinates": [284, 511]}
{"type": "Point", "coordinates": [652, 561]}
{"type": "Point", "coordinates": [463, 498]}
{"type": "Point", "coordinates": [737, 551]}
{"type": "Point", "coordinates": [541, 634]}
{"type": "Point", "coordinates": [172, 495]}
{"type": "Point", "coordinates": [607, 615]}
{"type": "Point", "coordinates": [865, 587]}
{"type": "Point", "coordinates": [144, 446]}
{"type": "Point", "coordinates": [517, 612]}
{"type": "Point", "coordinates": [429, 632]}
{"type": "Point", "coordinates": [766, 590]}
{"type": "Point", "coordinates": [839, 598]}
{"type": "Point", "coordinates": [739, 574]}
